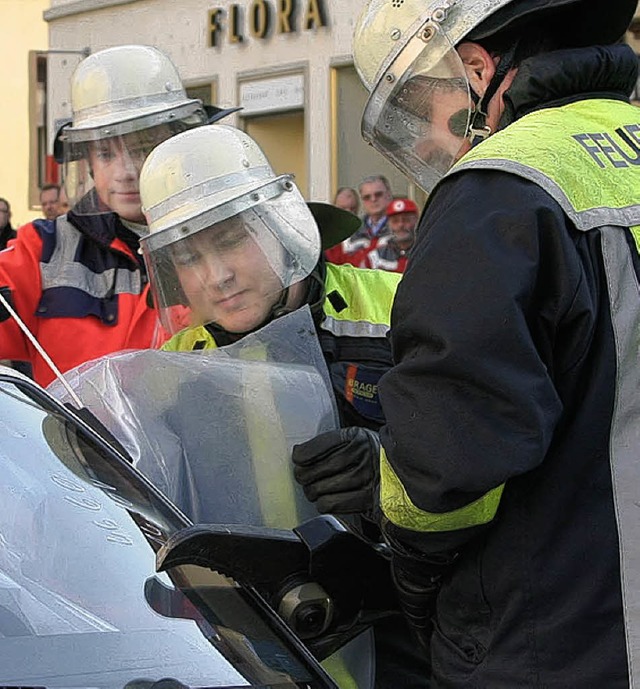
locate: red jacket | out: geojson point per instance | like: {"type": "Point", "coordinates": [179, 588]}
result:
{"type": "Point", "coordinates": [355, 248]}
{"type": "Point", "coordinates": [81, 291]}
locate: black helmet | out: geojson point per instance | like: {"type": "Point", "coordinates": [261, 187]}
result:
{"type": "Point", "coordinates": [577, 22]}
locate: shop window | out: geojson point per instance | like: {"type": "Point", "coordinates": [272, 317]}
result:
{"type": "Point", "coordinates": [42, 168]}
{"type": "Point", "coordinates": [273, 114]}
{"type": "Point", "coordinates": [352, 158]}
{"type": "Point", "coordinates": [205, 92]}
{"type": "Point", "coordinates": [281, 137]}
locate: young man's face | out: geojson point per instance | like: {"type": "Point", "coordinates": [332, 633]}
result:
{"type": "Point", "coordinates": [49, 203]}
{"type": "Point", "coordinates": [115, 167]}
{"type": "Point", "coordinates": [226, 277]}
{"type": "Point", "coordinates": [375, 197]}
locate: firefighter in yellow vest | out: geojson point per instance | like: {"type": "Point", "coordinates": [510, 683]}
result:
{"type": "Point", "coordinates": [509, 459]}
{"type": "Point", "coordinates": [233, 246]}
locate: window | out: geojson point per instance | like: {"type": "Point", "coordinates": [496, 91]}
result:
{"type": "Point", "coordinates": [352, 158]}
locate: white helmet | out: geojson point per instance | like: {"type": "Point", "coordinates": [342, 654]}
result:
{"type": "Point", "coordinates": [227, 237]}
{"type": "Point", "coordinates": [125, 100]}
{"type": "Point", "coordinates": [421, 110]}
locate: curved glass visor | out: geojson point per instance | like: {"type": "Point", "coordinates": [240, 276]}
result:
{"type": "Point", "coordinates": [101, 173]}
{"type": "Point", "coordinates": [418, 114]}
{"type": "Point", "coordinates": [236, 272]}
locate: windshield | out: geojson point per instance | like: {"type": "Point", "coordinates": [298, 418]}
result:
{"type": "Point", "coordinates": [80, 602]}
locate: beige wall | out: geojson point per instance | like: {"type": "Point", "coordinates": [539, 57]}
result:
{"type": "Point", "coordinates": [182, 33]}
{"type": "Point", "coordinates": [22, 29]}
{"type": "Point", "coordinates": [181, 30]}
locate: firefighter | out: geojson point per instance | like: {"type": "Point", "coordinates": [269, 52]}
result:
{"type": "Point", "coordinates": [78, 282]}
{"type": "Point", "coordinates": [507, 472]}
{"type": "Point", "coordinates": [233, 246]}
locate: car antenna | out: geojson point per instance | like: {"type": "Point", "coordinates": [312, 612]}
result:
{"type": "Point", "coordinates": [21, 324]}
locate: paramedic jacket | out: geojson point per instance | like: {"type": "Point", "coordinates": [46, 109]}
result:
{"type": "Point", "coordinates": [513, 413]}
{"type": "Point", "coordinates": [80, 287]}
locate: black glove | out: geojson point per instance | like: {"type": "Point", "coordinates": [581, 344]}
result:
{"type": "Point", "coordinates": [338, 470]}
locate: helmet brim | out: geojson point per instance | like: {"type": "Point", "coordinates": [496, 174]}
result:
{"type": "Point", "coordinates": [215, 114]}
{"type": "Point", "coordinates": [335, 224]}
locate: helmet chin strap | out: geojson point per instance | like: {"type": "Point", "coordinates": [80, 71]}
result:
{"type": "Point", "coordinates": [478, 129]}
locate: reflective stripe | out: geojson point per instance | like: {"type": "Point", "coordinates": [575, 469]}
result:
{"type": "Point", "coordinates": [583, 220]}
{"type": "Point", "coordinates": [400, 510]}
{"type": "Point", "coordinates": [368, 295]}
{"type": "Point", "coordinates": [63, 269]}
{"type": "Point", "coordinates": [583, 154]}
{"type": "Point", "coordinates": [343, 328]}
{"type": "Point", "coordinates": [624, 295]}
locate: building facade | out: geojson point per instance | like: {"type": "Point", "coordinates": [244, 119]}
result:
{"type": "Point", "coordinates": [23, 33]}
{"type": "Point", "coordinates": [288, 63]}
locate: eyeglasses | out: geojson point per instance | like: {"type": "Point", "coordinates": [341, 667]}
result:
{"type": "Point", "coordinates": [376, 195]}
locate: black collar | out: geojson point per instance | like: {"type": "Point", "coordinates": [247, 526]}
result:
{"type": "Point", "coordinates": [565, 76]}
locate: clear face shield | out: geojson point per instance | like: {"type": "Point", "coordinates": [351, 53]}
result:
{"type": "Point", "coordinates": [101, 166]}
{"type": "Point", "coordinates": [233, 265]}
{"type": "Point", "coordinates": [418, 115]}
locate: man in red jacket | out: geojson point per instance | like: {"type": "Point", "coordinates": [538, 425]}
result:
{"type": "Point", "coordinates": [78, 282]}
{"type": "Point", "coordinates": [392, 251]}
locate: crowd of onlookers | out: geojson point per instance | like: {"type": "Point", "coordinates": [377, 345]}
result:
{"type": "Point", "coordinates": [384, 241]}
{"type": "Point", "coordinates": [388, 226]}
{"type": "Point", "coordinates": [53, 201]}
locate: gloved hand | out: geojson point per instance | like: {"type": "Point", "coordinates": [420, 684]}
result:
{"type": "Point", "coordinates": [338, 470]}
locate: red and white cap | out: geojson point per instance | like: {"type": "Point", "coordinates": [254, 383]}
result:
{"type": "Point", "coordinates": [401, 206]}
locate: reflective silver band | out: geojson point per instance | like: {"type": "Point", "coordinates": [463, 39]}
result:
{"type": "Point", "coordinates": [345, 328]}
{"type": "Point", "coordinates": [583, 220]}
{"type": "Point", "coordinates": [134, 124]}
{"type": "Point", "coordinates": [63, 270]}
{"type": "Point", "coordinates": [166, 100]}
{"type": "Point", "coordinates": [162, 238]}
{"type": "Point", "coordinates": [624, 299]}
{"type": "Point", "coordinates": [204, 189]}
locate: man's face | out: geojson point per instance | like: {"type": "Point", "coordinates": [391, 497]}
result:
{"type": "Point", "coordinates": [226, 277]}
{"type": "Point", "coordinates": [49, 203]}
{"type": "Point", "coordinates": [115, 167]}
{"type": "Point", "coordinates": [375, 197]}
{"type": "Point", "coordinates": [441, 140]}
{"type": "Point", "coordinates": [5, 215]}
{"type": "Point", "coordinates": [403, 226]}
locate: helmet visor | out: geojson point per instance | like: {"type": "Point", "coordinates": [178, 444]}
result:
{"type": "Point", "coordinates": [235, 272]}
{"type": "Point", "coordinates": [101, 172]}
{"type": "Point", "coordinates": [418, 114]}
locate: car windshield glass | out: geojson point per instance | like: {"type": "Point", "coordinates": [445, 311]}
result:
{"type": "Point", "coordinates": [81, 604]}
